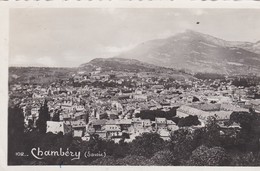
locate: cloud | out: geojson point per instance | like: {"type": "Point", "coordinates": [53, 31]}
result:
{"type": "Point", "coordinates": [199, 12]}
{"type": "Point", "coordinates": [46, 61]}
{"type": "Point", "coordinates": [69, 37]}
{"type": "Point", "coordinates": [117, 50]}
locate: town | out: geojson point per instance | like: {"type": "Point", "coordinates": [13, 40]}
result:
{"type": "Point", "coordinates": [116, 105]}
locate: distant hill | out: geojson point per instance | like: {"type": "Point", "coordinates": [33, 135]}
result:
{"type": "Point", "coordinates": [119, 64]}
{"type": "Point", "coordinates": [38, 75]}
{"type": "Point", "coordinates": [47, 75]}
{"type": "Point", "coordinates": [197, 52]}
{"type": "Point", "coordinates": [130, 65]}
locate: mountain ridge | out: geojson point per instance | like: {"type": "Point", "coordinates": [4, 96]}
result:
{"type": "Point", "coordinates": [197, 52]}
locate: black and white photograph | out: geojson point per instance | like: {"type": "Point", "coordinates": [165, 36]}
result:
{"type": "Point", "coordinates": [134, 87]}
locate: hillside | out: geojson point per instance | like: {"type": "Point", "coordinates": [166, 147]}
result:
{"type": "Point", "coordinates": [47, 75]}
{"type": "Point", "coordinates": [38, 75]}
{"type": "Point", "coordinates": [252, 47]}
{"type": "Point", "coordinates": [118, 64]}
{"type": "Point", "coordinates": [131, 65]}
{"type": "Point", "coordinates": [197, 52]}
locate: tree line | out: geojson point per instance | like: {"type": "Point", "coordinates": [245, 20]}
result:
{"type": "Point", "coordinates": [207, 146]}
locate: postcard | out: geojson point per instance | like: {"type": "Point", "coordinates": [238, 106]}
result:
{"type": "Point", "coordinates": [129, 83]}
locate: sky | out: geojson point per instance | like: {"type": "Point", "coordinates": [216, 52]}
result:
{"type": "Point", "coordinates": [70, 37]}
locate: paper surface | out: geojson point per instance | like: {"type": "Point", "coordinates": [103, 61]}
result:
{"type": "Point", "coordinates": [111, 72]}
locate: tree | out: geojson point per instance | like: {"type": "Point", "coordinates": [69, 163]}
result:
{"type": "Point", "coordinates": [15, 133]}
{"type": "Point", "coordinates": [15, 120]}
{"type": "Point", "coordinates": [152, 114]}
{"type": "Point", "coordinates": [182, 144]}
{"type": "Point", "coordinates": [104, 161]}
{"type": "Point", "coordinates": [176, 120]}
{"type": "Point", "coordinates": [245, 119]}
{"type": "Point", "coordinates": [245, 159]}
{"type": "Point", "coordinates": [56, 116]}
{"type": "Point", "coordinates": [44, 116]}
{"type": "Point", "coordinates": [204, 156]}
{"type": "Point", "coordinates": [211, 135]}
{"type": "Point", "coordinates": [146, 145]}
{"type": "Point", "coordinates": [189, 121]}
{"type": "Point", "coordinates": [121, 150]}
{"type": "Point", "coordinates": [195, 99]}
{"type": "Point", "coordinates": [133, 160]}
{"type": "Point", "coordinates": [248, 138]}
{"type": "Point", "coordinates": [163, 158]}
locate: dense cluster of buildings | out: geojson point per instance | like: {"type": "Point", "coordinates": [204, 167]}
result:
{"type": "Point", "coordinates": [107, 104]}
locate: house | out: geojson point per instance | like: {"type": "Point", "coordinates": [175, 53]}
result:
{"type": "Point", "coordinates": [36, 95]}
{"type": "Point", "coordinates": [257, 109]}
{"type": "Point", "coordinates": [231, 107]}
{"type": "Point", "coordinates": [157, 87]}
{"type": "Point", "coordinates": [65, 117]}
{"type": "Point", "coordinates": [97, 124]}
{"type": "Point", "coordinates": [171, 126]}
{"type": "Point", "coordinates": [78, 124]}
{"type": "Point", "coordinates": [96, 127]}
{"type": "Point", "coordinates": [207, 106]}
{"type": "Point", "coordinates": [147, 123]}
{"type": "Point", "coordinates": [35, 112]}
{"type": "Point", "coordinates": [112, 114]}
{"type": "Point", "coordinates": [102, 134]}
{"type": "Point", "coordinates": [56, 127]}
{"type": "Point", "coordinates": [117, 105]}
{"type": "Point", "coordinates": [86, 137]}
{"type": "Point", "coordinates": [66, 105]}
{"type": "Point", "coordinates": [138, 91]}
{"type": "Point", "coordinates": [232, 126]}
{"type": "Point", "coordinates": [137, 123]}
{"type": "Point", "coordinates": [111, 122]}
{"type": "Point", "coordinates": [184, 111]}
{"type": "Point", "coordinates": [142, 97]}
{"type": "Point", "coordinates": [160, 121]}
{"type": "Point", "coordinates": [79, 115]}
{"type": "Point", "coordinates": [164, 134]}
{"type": "Point", "coordinates": [77, 133]}
{"type": "Point", "coordinates": [221, 115]}
{"type": "Point", "coordinates": [125, 124]}
{"type": "Point", "coordinates": [137, 132]}
{"type": "Point", "coordinates": [101, 115]}
{"type": "Point", "coordinates": [79, 108]}
{"type": "Point", "coordinates": [112, 130]}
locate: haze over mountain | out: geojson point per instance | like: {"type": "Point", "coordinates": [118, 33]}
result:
{"type": "Point", "coordinates": [198, 52]}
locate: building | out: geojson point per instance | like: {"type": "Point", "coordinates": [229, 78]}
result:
{"type": "Point", "coordinates": [56, 127]}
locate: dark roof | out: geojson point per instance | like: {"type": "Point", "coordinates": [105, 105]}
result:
{"type": "Point", "coordinates": [99, 122]}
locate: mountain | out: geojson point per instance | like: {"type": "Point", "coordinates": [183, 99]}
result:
{"type": "Point", "coordinates": [130, 65]}
{"type": "Point", "coordinates": [198, 52]}
{"type": "Point", "coordinates": [253, 47]}
{"type": "Point", "coordinates": [118, 64]}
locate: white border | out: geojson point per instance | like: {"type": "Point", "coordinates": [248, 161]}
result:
{"type": "Point", "coordinates": [4, 35]}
